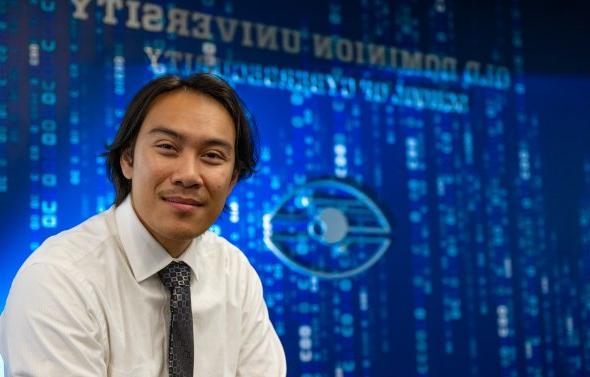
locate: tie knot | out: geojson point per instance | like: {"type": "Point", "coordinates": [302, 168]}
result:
{"type": "Point", "coordinates": [176, 274]}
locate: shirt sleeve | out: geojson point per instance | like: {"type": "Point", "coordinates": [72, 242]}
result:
{"type": "Point", "coordinates": [48, 327]}
{"type": "Point", "coordinates": [261, 351]}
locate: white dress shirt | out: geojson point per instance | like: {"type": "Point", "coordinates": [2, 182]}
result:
{"type": "Point", "coordinates": [88, 302]}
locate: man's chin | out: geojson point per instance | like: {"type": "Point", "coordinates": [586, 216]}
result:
{"type": "Point", "coordinates": [182, 235]}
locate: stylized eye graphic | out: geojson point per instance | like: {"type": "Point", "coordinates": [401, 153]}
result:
{"type": "Point", "coordinates": [328, 229]}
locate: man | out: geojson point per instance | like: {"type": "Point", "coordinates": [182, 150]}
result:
{"type": "Point", "coordinates": [143, 289]}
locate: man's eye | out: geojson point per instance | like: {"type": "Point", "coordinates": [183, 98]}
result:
{"type": "Point", "coordinates": [165, 146]}
{"type": "Point", "coordinates": [213, 156]}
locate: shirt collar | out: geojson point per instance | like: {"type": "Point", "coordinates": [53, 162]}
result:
{"type": "Point", "coordinates": [145, 255]}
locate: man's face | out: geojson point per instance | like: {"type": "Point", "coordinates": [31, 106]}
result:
{"type": "Point", "coordinates": [182, 167]}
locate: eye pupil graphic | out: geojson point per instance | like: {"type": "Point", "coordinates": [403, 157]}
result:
{"type": "Point", "coordinates": [329, 226]}
{"type": "Point", "coordinates": [327, 229]}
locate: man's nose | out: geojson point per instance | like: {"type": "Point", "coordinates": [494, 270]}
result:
{"type": "Point", "coordinates": [187, 171]}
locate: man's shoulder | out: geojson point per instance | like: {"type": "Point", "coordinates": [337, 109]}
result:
{"type": "Point", "coordinates": [218, 247]}
{"type": "Point", "coordinates": [73, 245]}
{"type": "Point", "coordinates": [73, 260]}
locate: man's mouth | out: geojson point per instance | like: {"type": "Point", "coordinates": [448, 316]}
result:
{"type": "Point", "coordinates": [183, 201]}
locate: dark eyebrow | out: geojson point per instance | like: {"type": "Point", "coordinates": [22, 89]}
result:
{"type": "Point", "coordinates": [166, 131]}
{"type": "Point", "coordinates": [213, 142]}
{"type": "Point", "coordinates": [218, 143]}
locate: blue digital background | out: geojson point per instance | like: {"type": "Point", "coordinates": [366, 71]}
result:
{"type": "Point", "coordinates": [488, 272]}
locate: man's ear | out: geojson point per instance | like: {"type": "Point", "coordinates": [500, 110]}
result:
{"type": "Point", "coordinates": [234, 179]}
{"type": "Point", "coordinates": [127, 163]}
